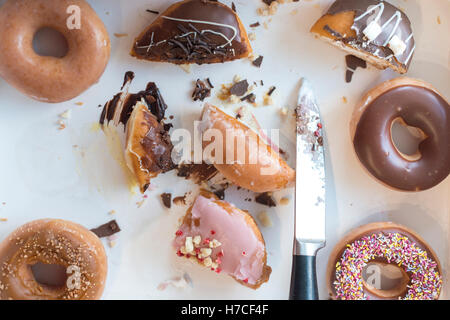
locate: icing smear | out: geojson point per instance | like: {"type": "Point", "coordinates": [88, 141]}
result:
{"type": "Point", "coordinates": [234, 247]}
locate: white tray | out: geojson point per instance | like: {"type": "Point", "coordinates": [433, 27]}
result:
{"type": "Point", "coordinates": [43, 175]}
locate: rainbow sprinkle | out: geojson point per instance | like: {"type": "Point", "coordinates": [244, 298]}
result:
{"type": "Point", "coordinates": [425, 280]}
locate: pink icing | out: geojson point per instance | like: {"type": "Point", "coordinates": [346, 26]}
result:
{"type": "Point", "coordinates": [243, 252]}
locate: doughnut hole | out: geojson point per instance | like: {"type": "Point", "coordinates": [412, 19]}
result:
{"type": "Point", "coordinates": [49, 275]}
{"type": "Point", "coordinates": [385, 280]}
{"type": "Point", "coordinates": [406, 139]}
{"type": "Point", "coordinates": [49, 42]}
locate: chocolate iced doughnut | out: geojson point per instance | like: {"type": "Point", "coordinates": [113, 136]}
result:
{"type": "Point", "coordinates": [388, 245]}
{"type": "Point", "coordinates": [417, 104]}
{"type": "Point", "coordinates": [373, 30]}
{"type": "Point", "coordinates": [51, 79]}
{"type": "Point", "coordinates": [194, 31]}
{"type": "Point", "coordinates": [52, 260]}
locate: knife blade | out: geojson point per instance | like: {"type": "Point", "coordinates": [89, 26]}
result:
{"type": "Point", "coordinates": [309, 195]}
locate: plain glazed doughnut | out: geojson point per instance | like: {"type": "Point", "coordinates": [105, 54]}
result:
{"type": "Point", "coordinates": [225, 239]}
{"type": "Point", "coordinates": [52, 260]}
{"type": "Point", "coordinates": [414, 103]}
{"type": "Point", "coordinates": [51, 79]}
{"type": "Point", "coordinates": [387, 244]}
{"type": "Point", "coordinates": [261, 169]}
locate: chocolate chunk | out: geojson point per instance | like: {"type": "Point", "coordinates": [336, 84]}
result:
{"type": "Point", "coordinates": [269, 2]}
{"type": "Point", "coordinates": [265, 199]}
{"type": "Point", "coordinates": [258, 61]}
{"type": "Point", "coordinates": [167, 199]}
{"type": "Point", "coordinates": [239, 88]}
{"type": "Point", "coordinates": [107, 229]}
{"type": "Point", "coordinates": [250, 98]}
{"type": "Point", "coordinates": [353, 63]}
{"type": "Point", "coordinates": [254, 25]}
{"type": "Point", "coordinates": [201, 91]}
{"type": "Point", "coordinates": [233, 7]}
{"type": "Point", "coordinates": [129, 76]}
{"type": "Point", "coordinates": [198, 173]}
{"type": "Point", "coordinates": [209, 83]}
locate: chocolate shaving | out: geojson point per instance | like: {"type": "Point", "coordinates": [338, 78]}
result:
{"type": "Point", "coordinates": [250, 98]}
{"type": "Point", "coordinates": [258, 61]}
{"type": "Point", "coordinates": [271, 90]}
{"type": "Point", "coordinates": [201, 91]}
{"type": "Point", "coordinates": [353, 63]}
{"type": "Point", "coordinates": [269, 2]}
{"type": "Point", "coordinates": [265, 199]}
{"type": "Point", "coordinates": [209, 83]}
{"type": "Point", "coordinates": [166, 199]}
{"type": "Point", "coordinates": [233, 7]}
{"type": "Point", "coordinates": [179, 200]}
{"type": "Point", "coordinates": [129, 76]}
{"type": "Point", "coordinates": [107, 229]}
{"type": "Point", "coordinates": [239, 88]}
{"type": "Point", "coordinates": [254, 25]}
{"type": "Point", "coordinates": [152, 11]}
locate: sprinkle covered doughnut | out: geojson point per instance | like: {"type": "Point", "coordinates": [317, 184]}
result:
{"type": "Point", "coordinates": [385, 243]}
{"type": "Point", "coordinates": [44, 78]}
{"type": "Point", "coordinates": [52, 260]}
{"type": "Point", "coordinates": [414, 103]}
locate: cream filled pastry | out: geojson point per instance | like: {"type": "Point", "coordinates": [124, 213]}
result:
{"type": "Point", "coordinates": [373, 30]}
{"type": "Point", "coordinates": [225, 239]}
{"type": "Point", "coordinates": [147, 146]}
{"type": "Point", "coordinates": [241, 155]}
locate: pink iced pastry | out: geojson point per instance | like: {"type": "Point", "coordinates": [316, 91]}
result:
{"type": "Point", "coordinates": [225, 239]}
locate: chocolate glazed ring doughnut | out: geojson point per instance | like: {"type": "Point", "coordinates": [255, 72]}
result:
{"type": "Point", "coordinates": [417, 104]}
{"type": "Point", "coordinates": [52, 260]}
{"type": "Point", "coordinates": [386, 247]}
{"type": "Point", "coordinates": [44, 78]}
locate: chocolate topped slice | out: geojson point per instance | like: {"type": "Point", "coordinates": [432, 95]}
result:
{"type": "Point", "coordinates": [148, 148]}
{"type": "Point", "coordinates": [373, 30]}
{"type": "Point", "coordinates": [194, 31]}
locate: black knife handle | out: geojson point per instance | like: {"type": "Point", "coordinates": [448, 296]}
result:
{"type": "Point", "coordinates": [304, 278]}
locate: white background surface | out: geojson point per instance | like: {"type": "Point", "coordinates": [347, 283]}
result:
{"type": "Point", "coordinates": [43, 175]}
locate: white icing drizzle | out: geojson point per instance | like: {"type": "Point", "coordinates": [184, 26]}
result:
{"type": "Point", "coordinates": [397, 15]}
{"type": "Point", "coordinates": [211, 31]}
{"type": "Point", "coordinates": [370, 9]}
{"type": "Point", "coordinates": [398, 18]}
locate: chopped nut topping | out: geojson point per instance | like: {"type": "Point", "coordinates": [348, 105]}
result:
{"type": "Point", "coordinates": [197, 240]}
{"type": "Point", "coordinates": [214, 244]}
{"type": "Point", "coordinates": [207, 262]}
{"type": "Point", "coordinates": [265, 219]}
{"type": "Point", "coordinates": [189, 245]}
{"type": "Point", "coordinates": [205, 252]}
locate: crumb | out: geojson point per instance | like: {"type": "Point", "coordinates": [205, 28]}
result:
{"type": "Point", "coordinates": [3, 219]}
{"type": "Point", "coordinates": [236, 78]}
{"type": "Point", "coordinates": [120, 35]}
{"type": "Point", "coordinates": [186, 67]}
{"type": "Point", "coordinates": [234, 99]}
{"type": "Point", "coordinates": [267, 100]}
{"type": "Point", "coordinates": [112, 244]}
{"type": "Point", "coordinates": [112, 212]}
{"type": "Point", "coordinates": [140, 203]}
{"type": "Point", "coordinates": [294, 12]}
{"type": "Point", "coordinates": [344, 99]}
{"type": "Point", "coordinates": [264, 218]}
{"type": "Point", "coordinates": [62, 125]}
{"type": "Point", "coordinates": [283, 111]}
{"type": "Point", "coordinates": [254, 25]}
{"type": "Point", "coordinates": [284, 201]}
{"type": "Point", "coordinates": [438, 19]}
{"type": "Point", "coordinates": [66, 114]}
{"type": "Point", "coordinates": [266, 25]}
{"type": "Point", "coordinates": [251, 36]}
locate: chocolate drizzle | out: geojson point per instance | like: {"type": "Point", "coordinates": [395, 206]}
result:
{"type": "Point", "coordinates": [418, 107]}
{"type": "Point", "coordinates": [193, 31]}
{"type": "Point", "coordinates": [391, 20]}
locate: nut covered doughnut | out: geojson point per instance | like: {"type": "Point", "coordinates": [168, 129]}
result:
{"type": "Point", "coordinates": [52, 260]}
{"type": "Point", "coordinates": [44, 78]}
{"type": "Point", "coordinates": [389, 244]}
{"type": "Point", "coordinates": [413, 103]}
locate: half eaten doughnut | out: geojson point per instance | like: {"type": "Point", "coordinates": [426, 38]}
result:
{"type": "Point", "coordinates": [221, 237]}
{"type": "Point", "coordinates": [241, 155]}
{"type": "Point", "coordinates": [194, 31]}
{"type": "Point", "coordinates": [372, 30]}
{"type": "Point", "coordinates": [147, 147]}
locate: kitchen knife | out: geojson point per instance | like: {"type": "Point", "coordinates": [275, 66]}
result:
{"type": "Point", "coordinates": [309, 196]}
